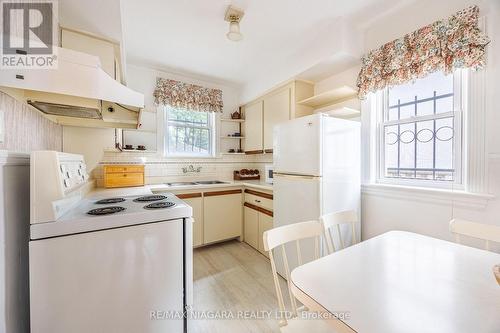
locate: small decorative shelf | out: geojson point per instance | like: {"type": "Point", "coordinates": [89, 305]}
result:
{"type": "Point", "coordinates": [116, 150]}
{"type": "Point", "coordinates": [233, 120]}
{"type": "Point", "coordinates": [232, 137]}
{"type": "Point", "coordinates": [333, 96]}
{"type": "Point", "coordinates": [344, 112]}
{"type": "Point", "coordinates": [233, 154]}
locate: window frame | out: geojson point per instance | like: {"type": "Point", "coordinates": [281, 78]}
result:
{"type": "Point", "coordinates": [459, 103]}
{"type": "Point", "coordinates": [211, 130]}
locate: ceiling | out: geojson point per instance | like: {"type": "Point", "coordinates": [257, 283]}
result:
{"type": "Point", "coordinates": [282, 38]}
{"type": "Point", "coordinates": [92, 16]}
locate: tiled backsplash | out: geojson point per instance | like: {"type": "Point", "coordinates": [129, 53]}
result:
{"type": "Point", "coordinates": [160, 170]}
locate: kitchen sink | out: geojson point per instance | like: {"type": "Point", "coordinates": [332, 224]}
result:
{"type": "Point", "coordinates": [181, 183]}
{"type": "Point", "coordinates": [201, 182]}
{"type": "Point", "coordinates": [210, 182]}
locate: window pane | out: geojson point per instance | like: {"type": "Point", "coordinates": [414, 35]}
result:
{"type": "Point", "coordinates": [188, 140]}
{"type": "Point", "coordinates": [444, 104]}
{"type": "Point", "coordinates": [391, 151]}
{"type": "Point", "coordinates": [444, 149]}
{"type": "Point", "coordinates": [407, 151]}
{"type": "Point", "coordinates": [425, 108]}
{"type": "Point", "coordinates": [425, 150]}
{"type": "Point", "coordinates": [188, 117]}
{"type": "Point", "coordinates": [422, 88]}
{"type": "Point", "coordinates": [422, 92]}
{"type": "Point", "coordinates": [188, 132]}
{"type": "Point", "coordinates": [420, 149]}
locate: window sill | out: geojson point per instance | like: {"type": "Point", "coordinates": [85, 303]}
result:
{"type": "Point", "coordinates": [457, 198]}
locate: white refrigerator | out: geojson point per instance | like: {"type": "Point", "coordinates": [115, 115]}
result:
{"type": "Point", "coordinates": [317, 171]}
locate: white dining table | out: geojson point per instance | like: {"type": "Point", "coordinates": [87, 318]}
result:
{"type": "Point", "coordinates": [402, 282]}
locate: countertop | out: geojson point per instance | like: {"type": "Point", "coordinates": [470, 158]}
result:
{"type": "Point", "coordinates": [154, 188]}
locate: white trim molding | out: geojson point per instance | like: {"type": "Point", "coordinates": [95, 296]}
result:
{"type": "Point", "coordinates": [476, 155]}
{"type": "Point", "coordinates": [457, 198]}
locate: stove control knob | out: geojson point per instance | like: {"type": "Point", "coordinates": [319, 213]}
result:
{"type": "Point", "coordinates": [66, 183]}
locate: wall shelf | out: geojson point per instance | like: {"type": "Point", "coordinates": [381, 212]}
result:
{"type": "Point", "coordinates": [333, 96]}
{"type": "Point", "coordinates": [232, 153]}
{"type": "Point", "coordinates": [233, 120]}
{"type": "Point", "coordinates": [115, 150]}
{"type": "Point", "coordinates": [344, 112]}
{"type": "Point", "coordinates": [232, 137]}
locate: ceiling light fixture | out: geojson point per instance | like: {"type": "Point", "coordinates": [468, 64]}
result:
{"type": "Point", "coordinates": [233, 16]}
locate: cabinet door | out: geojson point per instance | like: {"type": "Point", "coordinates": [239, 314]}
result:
{"type": "Point", "coordinates": [276, 110]}
{"type": "Point", "coordinates": [87, 44]}
{"type": "Point", "coordinates": [253, 127]}
{"type": "Point", "coordinates": [251, 223]}
{"type": "Point", "coordinates": [222, 215]}
{"type": "Point", "coordinates": [265, 223]}
{"type": "Point", "coordinates": [197, 205]}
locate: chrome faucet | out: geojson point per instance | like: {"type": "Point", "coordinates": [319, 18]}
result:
{"type": "Point", "coordinates": [190, 168]}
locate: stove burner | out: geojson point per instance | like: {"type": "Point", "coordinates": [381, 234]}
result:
{"type": "Point", "coordinates": [159, 205]}
{"type": "Point", "coordinates": [109, 201]}
{"type": "Point", "coordinates": [105, 210]}
{"type": "Point", "coordinates": [150, 198]}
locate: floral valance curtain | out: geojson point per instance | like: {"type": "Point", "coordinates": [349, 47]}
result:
{"type": "Point", "coordinates": [188, 96]}
{"type": "Point", "coordinates": [444, 45]}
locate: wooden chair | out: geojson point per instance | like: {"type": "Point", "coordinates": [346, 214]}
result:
{"type": "Point", "coordinates": [496, 272]}
{"type": "Point", "coordinates": [333, 221]}
{"type": "Point", "coordinates": [278, 237]}
{"type": "Point", "coordinates": [486, 232]}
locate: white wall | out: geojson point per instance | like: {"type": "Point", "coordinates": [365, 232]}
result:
{"type": "Point", "coordinates": [420, 212]}
{"type": "Point", "coordinates": [90, 142]}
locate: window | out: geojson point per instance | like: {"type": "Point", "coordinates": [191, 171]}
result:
{"type": "Point", "coordinates": [420, 128]}
{"type": "Point", "coordinates": [189, 133]}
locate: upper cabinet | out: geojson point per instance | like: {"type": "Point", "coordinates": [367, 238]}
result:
{"type": "Point", "coordinates": [253, 127]}
{"type": "Point", "coordinates": [107, 51]}
{"type": "Point", "coordinates": [276, 110]}
{"type": "Point", "coordinates": [277, 106]}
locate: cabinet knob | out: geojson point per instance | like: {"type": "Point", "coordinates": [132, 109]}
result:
{"type": "Point", "coordinates": [257, 200]}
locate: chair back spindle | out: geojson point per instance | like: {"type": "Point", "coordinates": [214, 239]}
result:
{"type": "Point", "coordinates": [334, 221]}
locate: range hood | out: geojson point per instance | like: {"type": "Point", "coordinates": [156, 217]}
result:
{"type": "Point", "coordinates": [77, 93]}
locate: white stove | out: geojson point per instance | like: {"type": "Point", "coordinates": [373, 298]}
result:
{"type": "Point", "coordinates": [107, 213]}
{"type": "Point", "coordinates": [104, 264]}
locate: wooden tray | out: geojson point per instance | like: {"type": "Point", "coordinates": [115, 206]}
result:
{"type": "Point", "coordinates": [238, 176]}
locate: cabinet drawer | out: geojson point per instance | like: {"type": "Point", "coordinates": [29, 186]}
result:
{"type": "Point", "coordinates": [251, 227]}
{"type": "Point", "coordinates": [258, 199]}
{"type": "Point", "coordinates": [123, 168]}
{"type": "Point", "coordinates": [123, 179]}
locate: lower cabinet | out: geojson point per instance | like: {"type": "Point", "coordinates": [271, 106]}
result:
{"type": "Point", "coordinates": [265, 223]}
{"type": "Point", "coordinates": [222, 215]}
{"type": "Point", "coordinates": [251, 224]}
{"type": "Point", "coordinates": [257, 221]}
{"type": "Point", "coordinates": [195, 200]}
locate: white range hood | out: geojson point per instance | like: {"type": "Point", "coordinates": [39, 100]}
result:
{"type": "Point", "coordinates": [77, 93]}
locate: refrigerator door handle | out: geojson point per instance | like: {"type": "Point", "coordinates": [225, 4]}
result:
{"type": "Point", "coordinates": [290, 176]}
